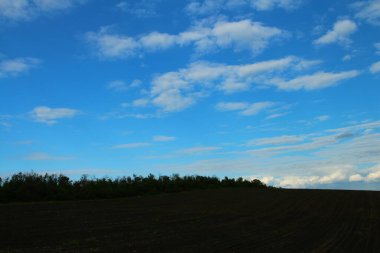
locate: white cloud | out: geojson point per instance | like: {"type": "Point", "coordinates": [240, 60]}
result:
{"type": "Point", "coordinates": [311, 144]}
{"type": "Point", "coordinates": [28, 9]}
{"type": "Point", "coordinates": [172, 100]}
{"type": "Point", "coordinates": [356, 178]}
{"type": "Point", "coordinates": [117, 85]}
{"type": "Point", "coordinates": [276, 115]}
{"type": "Point", "coordinates": [322, 118]}
{"type": "Point", "coordinates": [207, 7]}
{"type": "Point", "coordinates": [238, 35]}
{"type": "Point", "coordinates": [338, 174]}
{"type": "Point", "coordinates": [314, 162]}
{"type": "Point", "coordinates": [175, 91]}
{"type": "Point", "coordinates": [244, 34]}
{"type": "Point", "coordinates": [140, 9]}
{"type": "Point", "coordinates": [375, 68]}
{"type": "Point", "coordinates": [142, 102]}
{"type": "Point", "coordinates": [373, 173]}
{"type": "Point", "coordinates": [163, 138]}
{"type": "Point", "coordinates": [132, 145]}
{"type": "Point", "coordinates": [246, 109]}
{"type": "Point", "coordinates": [368, 10]}
{"type": "Point", "coordinates": [277, 140]}
{"type": "Point", "coordinates": [265, 5]}
{"type": "Point", "coordinates": [158, 41]}
{"type": "Point", "coordinates": [17, 66]}
{"type": "Point", "coordinates": [198, 150]}
{"type": "Point", "coordinates": [256, 108]}
{"type": "Point", "coordinates": [339, 34]}
{"type": "Point", "coordinates": [45, 157]}
{"type": "Point", "coordinates": [111, 45]}
{"type": "Point", "coordinates": [231, 106]}
{"type": "Point", "coordinates": [120, 85]}
{"type": "Point", "coordinates": [50, 116]}
{"type": "Point", "coordinates": [367, 126]}
{"type": "Point", "coordinates": [347, 57]}
{"type": "Point", "coordinates": [374, 176]}
{"type": "Point", "coordinates": [315, 81]}
{"type": "Point", "coordinates": [377, 46]}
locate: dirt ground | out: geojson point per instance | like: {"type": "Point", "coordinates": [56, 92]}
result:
{"type": "Point", "coordinates": [221, 220]}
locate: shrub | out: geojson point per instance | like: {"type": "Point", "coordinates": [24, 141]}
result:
{"type": "Point", "coordinates": [35, 187]}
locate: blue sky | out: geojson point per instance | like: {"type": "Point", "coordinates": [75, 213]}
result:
{"type": "Point", "coordinates": [287, 91]}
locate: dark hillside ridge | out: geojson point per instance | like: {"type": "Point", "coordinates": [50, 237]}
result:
{"type": "Point", "coordinates": [31, 187]}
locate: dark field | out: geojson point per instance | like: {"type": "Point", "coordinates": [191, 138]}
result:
{"type": "Point", "coordinates": [221, 220]}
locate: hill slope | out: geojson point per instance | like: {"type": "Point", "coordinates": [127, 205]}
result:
{"type": "Point", "coordinates": [239, 220]}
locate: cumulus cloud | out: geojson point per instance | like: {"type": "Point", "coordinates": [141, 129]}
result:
{"type": "Point", "coordinates": [238, 35]}
{"type": "Point", "coordinates": [338, 175]}
{"type": "Point", "coordinates": [51, 116]}
{"type": "Point", "coordinates": [335, 174]}
{"type": "Point", "coordinates": [375, 68]}
{"type": "Point", "coordinates": [319, 80]}
{"type": "Point", "coordinates": [356, 178]}
{"type": "Point", "coordinates": [111, 45]}
{"type": "Point", "coordinates": [339, 34]}
{"type": "Point", "coordinates": [28, 9]}
{"type": "Point", "coordinates": [368, 11]}
{"type": "Point", "coordinates": [17, 66]}
{"type": "Point", "coordinates": [175, 91]}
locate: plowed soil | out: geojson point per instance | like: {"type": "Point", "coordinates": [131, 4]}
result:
{"type": "Point", "coordinates": [221, 220]}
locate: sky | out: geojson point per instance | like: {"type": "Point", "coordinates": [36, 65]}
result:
{"type": "Point", "coordinates": [286, 91]}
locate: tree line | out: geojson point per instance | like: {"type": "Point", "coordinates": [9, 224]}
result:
{"type": "Point", "coordinates": [26, 187]}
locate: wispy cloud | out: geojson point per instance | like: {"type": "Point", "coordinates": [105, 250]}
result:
{"type": "Point", "coordinates": [132, 145]}
{"type": "Point", "coordinates": [319, 80]}
{"type": "Point", "coordinates": [277, 140]}
{"type": "Point", "coordinates": [17, 10]}
{"type": "Point", "coordinates": [197, 150]}
{"type": "Point", "coordinates": [45, 157]}
{"type": "Point", "coordinates": [377, 47]}
{"type": "Point", "coordinates": [163, 138]}
{"type": "Point", "coordinates": [375, 68]}
{"type": "Point", "coordinates": [17, 66]}
{"type": "Point", "coordinates": [51, 116]}
{"type": "Point", "coordinates": [212, 7]}
{"type": "Point", "coordinates": [368, 11]}
{"type": "Point", "coordinates": [265, 5]}
{"type": "Point", "coordinates": [246, 109]}
{"type": "Point", "coordinates": [339, 33]}
{"type": "Point", "coordinates": [140, 9]}
{"type": "Point", "coordinates": [322, 118]}
{"type": "Point", "coordinates": [121, 86]}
